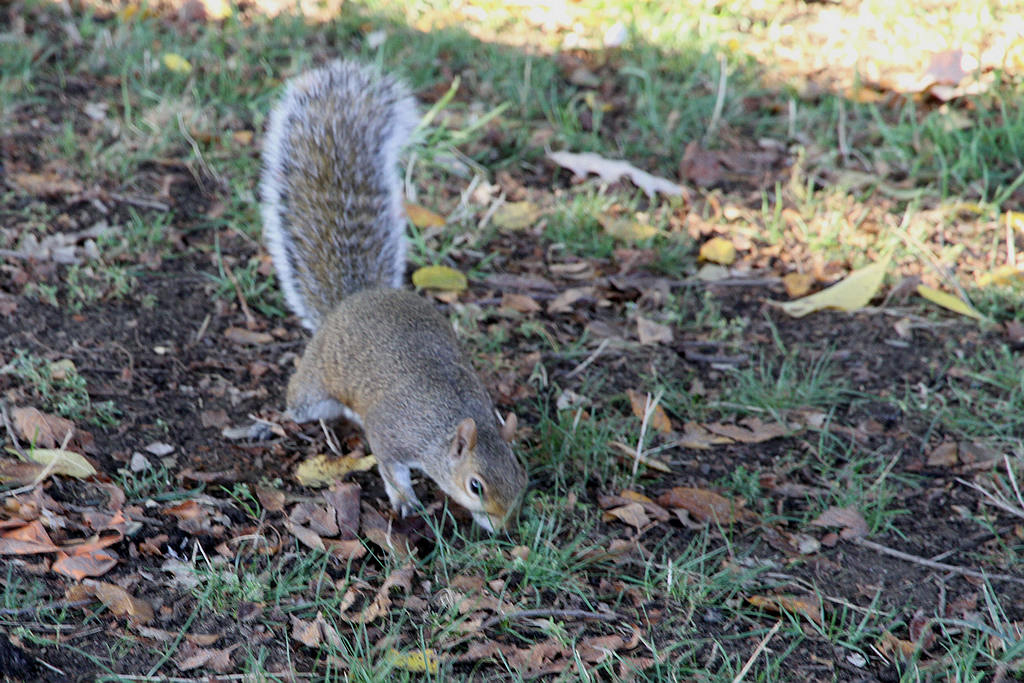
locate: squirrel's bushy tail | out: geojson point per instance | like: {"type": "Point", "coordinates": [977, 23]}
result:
{"type": "Point", "coordinates": [333, 218]}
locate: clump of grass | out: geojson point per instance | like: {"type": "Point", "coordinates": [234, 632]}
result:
{"type": "Point", "coordinates": [61, 389]}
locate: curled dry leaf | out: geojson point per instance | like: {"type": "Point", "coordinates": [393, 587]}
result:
{"type": "Point", "coordinates": [658, 419]}
{"type": "Point", "coordinates": [848, 519]}
{"type": "Point", "coordinates": [417, 661]}
{"type": "Point", "coordinates": [565, 302]}
{"type": "Point", "coordinates": [514, 216]}
{"type": "Point", "coordinates": [120, 602]}
{"type": "Point", "coordinates": [41, 429]}
{"type": "Point", "coordinates": [705, 506]}
{"type": "Point", "coordinates": [520, 303]}
{"type": "Point", "coordinates": [27, 539]}
{"type": "Point", "coordinates": [321, 470]}
{"type": "Point", "coordinates": [632, 514]}
{"type": "Point", "coordinates": [80, 565]}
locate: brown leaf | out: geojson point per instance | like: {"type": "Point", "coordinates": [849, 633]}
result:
{"type": "Point", "coordinates": [345, 549]}
{"type": "Point", "coordinates": [81, 565]}
{"type": "Point", "coordinates": [565, 302]}
{"type": "Point", "coordinates": [944, 455]}
{"type": "Point", "coordinates": [705, 506]}
{"type": "Point", "coordinates": [750, 430]}
{"type": "Point", "coordinates": [49, 185]}
{"type": "Point", "coordinates": [650, 507]}
{"type": "Point", "coordinates": [306, 536]}
{"type": "Point", "coordinates": [890, 645]}
{"type": "Point", "coordinates": [658, 419]}
{"type": "Point", "coordinates": [651, 332]}
{"type": "Point", "coordinates": [598, 648]}
{"type": "Point", "coordinates": [240, 335]}
{"type": "Point", "coordinates": [519, 302]}
{"type": "Point", "coordinates": [306, 632]}
{"type": "Point", "coordinates": [120, 602]}
{"type": "Point", "coordinates": [697, 437]}
{"type": "Point", "coordinates": [213, 418]}
{"type": "Point", "coordinates": [41, 429]}
{"type": "Point", "coordinates": [700, 166]}
{"type": "Point", "coordinates": [848, 519]}
{"type": "Point", "coordinates": [272, 500]}
{"type": "Point", "coordinates": [344, 500]}
{"type": "Point", "coordinates": [809, 607]}
{"type": "Point", "coordinates": [632, 514]}
{"type": "Point", "coordinates": [27, 539]}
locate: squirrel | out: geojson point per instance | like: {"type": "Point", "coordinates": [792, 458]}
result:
{"type": "Point", "coordinates": [384, 358]}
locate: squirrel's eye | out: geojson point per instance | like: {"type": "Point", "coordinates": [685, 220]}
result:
{"type": "Point", "coordinates": [476, 487]}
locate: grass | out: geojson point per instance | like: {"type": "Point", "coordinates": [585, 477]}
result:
{"type": "Point", "coordinates": [62, 389]}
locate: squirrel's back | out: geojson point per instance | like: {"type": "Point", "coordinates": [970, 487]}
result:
{"type": "Point", "coordinates": [333, 218]}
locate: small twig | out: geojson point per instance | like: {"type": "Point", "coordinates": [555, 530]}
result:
{"type": "Point", "coordinates": [757, 651]}
{"type": "Point", "coordinates": [590, 359]}
{"type": "Point", "coordinates": [649, 408]}
{"type": "Point", "coordinates": [332, 441]}
{"type": "Point", "coordinates": [924, 562]}
{"type": "Point", "coordinates": [250, 319]}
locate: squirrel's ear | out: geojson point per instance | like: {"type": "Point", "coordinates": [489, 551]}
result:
{"type": "Point", "coordinates": [465, 436]}
{"type": "Point", "coordinates": [508, 430]}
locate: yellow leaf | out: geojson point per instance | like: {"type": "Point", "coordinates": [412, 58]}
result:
{"type": "Point", "coordinates": [516, 216]}
{"type": "Point", "coordinates": [628, 229]}
{"type": "Point", "coordinates": [439, 277]}
{"type": "Point", "coordinates": [321, 470]}
{"type": "Point", "coordinates": [417, 661]}
{"type": "Point", "coordinates": [948, 301]}
{"type": "Point", "coordinates": [177, 63]}
{"type": "Point", "coordinates": [718, 250]}
{"type": "Point", "coordinates": [797, 284]}
{"type": "Point", "coordinates": [422, 217]}
{"type": "Point", "coordinates": [64, 462]}
{"type": "Point", "coordinates": [1003, 275]}
{"type": "Point", "coordinates": [849, 294]}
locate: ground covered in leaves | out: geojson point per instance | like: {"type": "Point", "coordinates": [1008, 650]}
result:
{"type": "Point", "coordinates": [719, 489]}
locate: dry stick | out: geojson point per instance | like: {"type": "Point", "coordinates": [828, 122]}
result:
{"type": "Point", "coordinates": [757, 651]}
{"type": "Point", "coordinates": [590, 359]}
{"type": "Point", "coordinates": [916, 559]}
{"type": "Point", "coordinates": [56, 604]}
{"type": "Point", "coordinates": [139, 201]}
{"type": "Point", "coordinates": [250, 319]}
{"type": "Point", "coordinates": [1011, 254]}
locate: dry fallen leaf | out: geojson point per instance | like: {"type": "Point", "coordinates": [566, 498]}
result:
{"type": "Point", "coordinates": [513, 216]}
{"type": "Point", "coordinates": [750, 430]}
{"type": "Point", "coordinates": [62, 462]}
{"type": "Point", "coordinates": [240, 335]}
{"type": "Point", "coordinates": [948, 301]}
{"type": "Point", "coordinates": [321, 470]}
{"type": "Point", "coordinates": [440, 278]}
{"type": "Point", "coordinates": [651, 332]}
{"type": "Point", "coordinates": [718, 250]}
{"type": "Point", "coordinates": [632, 514]}
{"type": "Point", "coordinates": [120, 602]}
{"type": "Point", "coordinates": [417, 661]}
{"type": "Point", "coordinates": [809, 607]}
{"type": "Point", "coordinates": [848, 519]}
{"type": "Point", "coordinates": [705, 506]}
{"type": "Point", "coordinates": [520, 303]}
{"type": "Point", "coordinates": [797, 284]}
{"type": "Point", "coordinates": [422, 217]}
{"type": "Point", "coordinates": [658, 419]}
{"type": "Point", "coordinates": [698, 437]}
{"type": "Point", "coordinates": [41, 429]}
{"type": "Point", "coordinates": [850, 294]}
{"type": "Point", "coordinates": [611, 170]}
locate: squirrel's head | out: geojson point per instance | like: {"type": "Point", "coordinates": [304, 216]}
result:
{"type": "Point", "coordinates": [487, 477]}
